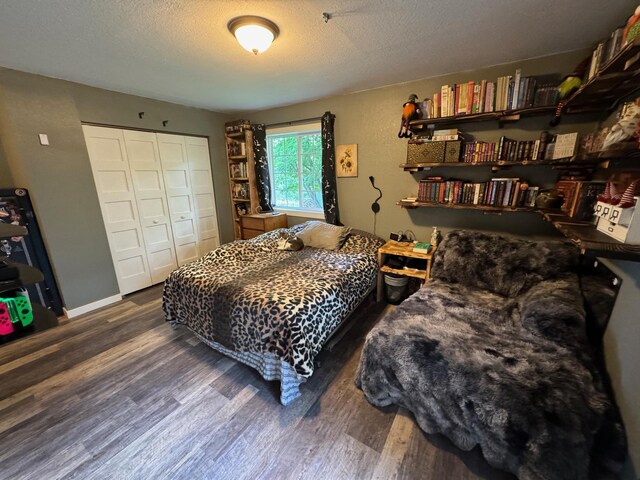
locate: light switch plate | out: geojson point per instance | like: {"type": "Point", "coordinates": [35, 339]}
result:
{"type": "Point", "coordinates": [44, 139]}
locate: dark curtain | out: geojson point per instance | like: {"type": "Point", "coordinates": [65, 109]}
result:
{"type": "Point", "coordinates": [263, 182]}
{"type": "Point", "coordinates": [329, 189]}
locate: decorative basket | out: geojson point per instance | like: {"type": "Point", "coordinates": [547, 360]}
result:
{"type": "Point", "coordinates": [434, 152]}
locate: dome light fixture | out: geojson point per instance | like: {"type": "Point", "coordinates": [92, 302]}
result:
{"type": "Point", "coordinates": [253, 33]}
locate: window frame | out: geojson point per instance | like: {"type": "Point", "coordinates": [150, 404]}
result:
{"type": "Point", "coordinates": [298, 131]}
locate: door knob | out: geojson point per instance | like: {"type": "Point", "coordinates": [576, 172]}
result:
{"type": "Point", "coordinates": [182, 217]}
{"type": "Point", "coordinates": [156, 222]}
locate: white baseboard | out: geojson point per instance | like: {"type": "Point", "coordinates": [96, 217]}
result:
{"type": "Point", "coordinates": [74, 312]}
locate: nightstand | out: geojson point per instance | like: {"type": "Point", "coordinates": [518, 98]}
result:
{"type": "Point", "coordinates": [401, 249]}
{"type": "Point", "coordinates": [256, 224]}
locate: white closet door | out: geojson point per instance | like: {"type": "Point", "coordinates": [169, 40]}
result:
{"type": "Point", "coordinates": [111, 174]}
{"type": "Point", "coordinates": [177, 181]}
{"type": "Point", "coordinates": [202, 188]}
{"type": "Point", "coordinates": [148, 184]}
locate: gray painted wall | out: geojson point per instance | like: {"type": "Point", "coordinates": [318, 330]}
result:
{"type": "Point", "coordinates": [372, 118]}
{"type": "Point", "coordinates": [59, 176]}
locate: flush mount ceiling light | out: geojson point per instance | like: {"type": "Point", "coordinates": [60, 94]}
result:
{"type": "Point", "coordinates": [255, 34]}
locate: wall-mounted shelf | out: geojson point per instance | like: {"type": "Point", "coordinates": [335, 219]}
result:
{"type": "Point", "coordinates": [464, 206]}
{"type": "Point", "coordinates": [615, 80]}
{"type": "Point", "coordinates": [589, 240]}
{"type": "Point", "coordinates": [500, 116]}
{"type": "Point", "coordinates": [590, 159]}
{"type": "Point", "coordinates": [239, 140]}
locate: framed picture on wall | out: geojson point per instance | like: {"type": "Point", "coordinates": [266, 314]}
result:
{"type": "Point", "coordinates": [347, 160]}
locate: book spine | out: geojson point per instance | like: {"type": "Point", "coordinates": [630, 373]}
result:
{"type": "Point", "coordinates": [444, 94]}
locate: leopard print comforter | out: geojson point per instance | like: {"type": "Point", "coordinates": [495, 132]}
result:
{"type": "Point", "coordinates": [250, 297]}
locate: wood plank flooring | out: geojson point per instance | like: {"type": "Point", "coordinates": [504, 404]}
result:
{"type": "Point", "coordinates": [118, 394]}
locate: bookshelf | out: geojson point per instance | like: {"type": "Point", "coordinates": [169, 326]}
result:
{"type": "Point", "coordinates": [590, 241]}
{"type": "Point", "coordinates": [464, 206]}
{"type": "Point", "coordinates": [612, 83]}
{"type": "Point", "coordinates": [503, 116]}
{"type": "Point", "coordinates": [241, 165]}
{"type": "Point", "coordinates": [620, 158]}
{"type": "Point", "coordinates": [614, 80]}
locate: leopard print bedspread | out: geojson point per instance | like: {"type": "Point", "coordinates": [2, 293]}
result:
{"type": "Point", "coordinates": [250, 297]}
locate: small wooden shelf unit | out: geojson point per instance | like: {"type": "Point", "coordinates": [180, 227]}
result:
{"type": "Point", "coordinates": [401, 249]}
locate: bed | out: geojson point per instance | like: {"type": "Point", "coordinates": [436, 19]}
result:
{"type": "Point", "coordinates": [271, 309]}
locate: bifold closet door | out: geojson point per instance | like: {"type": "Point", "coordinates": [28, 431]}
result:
{"type": "Point", "coordinates": [110, 166]}
{"type": "Point", "coordinates": [203, 196]}
{"type": "Point", "coordinates": [148, 184]}
{"type": "Point", "coordinates": [177, 181]}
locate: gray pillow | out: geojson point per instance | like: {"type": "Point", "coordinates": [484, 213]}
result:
{"type": "Point", "coordinates": [323, 235]}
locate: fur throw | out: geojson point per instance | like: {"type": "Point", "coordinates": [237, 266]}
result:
{"type": "Point", "coordinates": [507, 367]}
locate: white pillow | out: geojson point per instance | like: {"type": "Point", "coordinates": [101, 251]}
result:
{"type": "Point", "coordinates": [323, 235]}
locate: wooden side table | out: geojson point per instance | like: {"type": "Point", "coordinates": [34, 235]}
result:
{"type": "Point", "coordinates": [258, 223]}
{"type": "Point", "coordinates": [401, 249]}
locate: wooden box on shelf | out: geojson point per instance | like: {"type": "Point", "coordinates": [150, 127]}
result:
{"type": "Point", "coordinates": [256, 224]}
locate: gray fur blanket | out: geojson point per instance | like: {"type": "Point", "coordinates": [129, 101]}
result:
{"type": "Point", "coordinates": [506, 366]}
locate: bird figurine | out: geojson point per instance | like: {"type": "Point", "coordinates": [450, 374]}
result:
{"type": "Point", "coordinates": [410, 111]}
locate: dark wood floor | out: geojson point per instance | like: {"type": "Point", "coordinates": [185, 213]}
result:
{"type": "Point", "coordinates": [118, 394]}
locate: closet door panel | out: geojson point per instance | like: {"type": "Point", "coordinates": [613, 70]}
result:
{"type": "Point", "coordinates": [112, 176]}
{"type": "Point", "coordinates": [202, 187]}
{"type": "Point", "coordinates": [177, 179]}
{"type": "Point", "coordinates": [149, 187]}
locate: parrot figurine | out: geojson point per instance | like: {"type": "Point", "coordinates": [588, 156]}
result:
{"type": "Point", "coordinates": [410, 111]}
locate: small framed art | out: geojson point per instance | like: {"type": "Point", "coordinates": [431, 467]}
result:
{"type": "Point", "coordinates": [347, 160]}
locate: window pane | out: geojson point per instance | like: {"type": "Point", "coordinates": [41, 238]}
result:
{"type": "Point", "coordinates": [289, 185]}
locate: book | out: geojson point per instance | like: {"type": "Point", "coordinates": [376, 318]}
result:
{"type": "Point", "coordinates": [421, 247]}
{"type": "Point", "coordinates": [516, 89]}
{"type": "Point", "coordinates": [444, 94]}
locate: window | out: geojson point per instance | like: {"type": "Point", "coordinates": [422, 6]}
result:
{"type": "Point", "coordinates": [295, 163]}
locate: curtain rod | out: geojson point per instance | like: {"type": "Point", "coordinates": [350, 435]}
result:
{"type": "Point", "coordinates": [293, 122]}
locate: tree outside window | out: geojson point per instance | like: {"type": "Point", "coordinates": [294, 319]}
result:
{"type": "Point", "coordinates": [295, 161]}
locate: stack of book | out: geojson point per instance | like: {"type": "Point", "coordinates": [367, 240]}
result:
{"type": "Point", "coordinates": [478, 152]}
{"type": "Point", "coordinates": [240, 191]}
{"type": "Point", "coordinates": [579, 197]}
{"type": "Point", "coordinates": [238, 170]}
{"type": "Point", "coordinates": [445, 135]}
{"type": "Point", "coordinates": [605, 51]}
{"type": "Point", "coordinates": [513, 92]}
{"type": "Point", "coordinates": [547, 147]}
{"type": "Point", "coordinates": [508, 93]}
{"type": "Point", "coordinates": [499, 192]}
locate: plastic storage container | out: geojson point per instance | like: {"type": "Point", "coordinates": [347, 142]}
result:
{"type": "Point", "coordinates": [395, 288]}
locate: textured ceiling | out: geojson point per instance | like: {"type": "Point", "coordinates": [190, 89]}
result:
{"type": "Point", "coordinates": [181, 51]}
